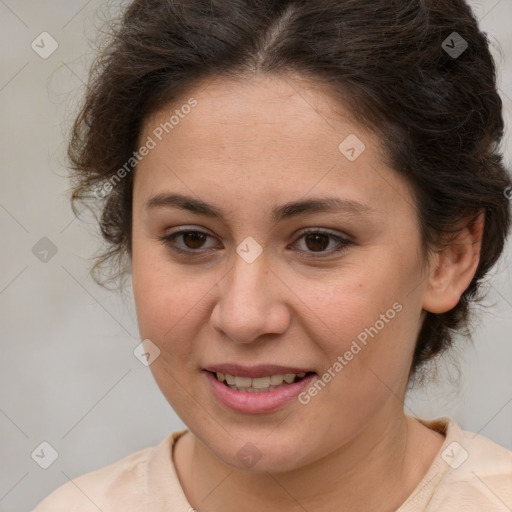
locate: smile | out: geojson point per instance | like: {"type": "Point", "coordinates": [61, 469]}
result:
{"type": "Point", "coordinates": [258, 390]}
{"type": "Point", "coordinates": [259, 384]}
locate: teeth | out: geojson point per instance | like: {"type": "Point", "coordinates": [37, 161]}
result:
{"type": "Point", "coordinates": [243, 382]}
{"type": "Point", "coordinates": [276, 380]}
{"type": "Point", "coordinates": [260, 383]}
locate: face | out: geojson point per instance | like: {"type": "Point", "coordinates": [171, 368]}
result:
{"type": "Point", "coordinates": [266, 243]}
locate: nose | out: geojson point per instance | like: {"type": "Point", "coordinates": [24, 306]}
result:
{"type": "Point", "coordinates": [251, 302]}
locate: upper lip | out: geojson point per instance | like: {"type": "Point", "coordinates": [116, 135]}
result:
{"type": "Point", "coordinates": [261, 370]}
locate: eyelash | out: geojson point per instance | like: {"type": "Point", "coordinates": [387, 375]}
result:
{"type": "Point", "coordinates": [344, 243]}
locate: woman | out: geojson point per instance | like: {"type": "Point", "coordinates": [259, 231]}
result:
{"type": "Point", "coordinates": [307, 195]}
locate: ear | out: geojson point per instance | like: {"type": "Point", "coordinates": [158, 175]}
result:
{"type": "Point", "coordinates": [453, 268]}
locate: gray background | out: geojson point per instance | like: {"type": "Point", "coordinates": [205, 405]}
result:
{"type": "Point", "coordinates": [67, 369]}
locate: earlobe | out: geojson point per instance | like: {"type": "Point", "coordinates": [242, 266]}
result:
{"type": "Point", "coordinates": [454, 268]}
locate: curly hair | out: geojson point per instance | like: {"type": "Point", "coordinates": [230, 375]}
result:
{"type": "Point", "coordinates": [437, 112]}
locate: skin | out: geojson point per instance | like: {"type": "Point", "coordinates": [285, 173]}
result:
{"type": "Point", "coordinates": [247, 147]}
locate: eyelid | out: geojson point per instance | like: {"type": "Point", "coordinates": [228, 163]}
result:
{"type": "Point", "coordinates": [343, 241]}
{"type": "Point", "coordinates": [324, 231]}
{"type": "Point", "coordinates": [170, 237]}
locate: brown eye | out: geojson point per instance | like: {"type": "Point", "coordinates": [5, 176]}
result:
{"type": "Point", "coordinates": [188, 242]}
{"type": "Point", "coordinates": [193, 239]}
{"type": "Point", "coordinates": [322, 243]}
{"type": "Point", "coordinates": [317, 241]}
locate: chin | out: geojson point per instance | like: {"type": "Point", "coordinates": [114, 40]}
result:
{"type": "Point", "coordinates": [258, 450]}
{"type": "Point", "coordinates": [257, 460]}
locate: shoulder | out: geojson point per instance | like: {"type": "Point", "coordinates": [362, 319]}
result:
{"type": "Point", "coordinates": [123, 483]}
{"type": "Point", "coordinates": [478, 473]}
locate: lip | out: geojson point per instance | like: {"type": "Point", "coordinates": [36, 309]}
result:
{"type": "Point", "coordinates": [261, 370]}
{"type": "Point", "coordinates": [256, 403]}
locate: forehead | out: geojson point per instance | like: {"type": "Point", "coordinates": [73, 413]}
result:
{"type": "Point", "coordinates": [272, 135]}
{"type": "Point", "coordinates": [253, 109]}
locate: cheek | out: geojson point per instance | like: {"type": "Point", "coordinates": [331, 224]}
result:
{"type": "Point", "coordinates": [170, 300]}
{"type": "Point", "coordinates": [366, 368]}
{"type": "Point", "coordinates": [162, 306]}
{"type": "Point", "coordinates": [348, 302]}
{"type": "Point", "coordinates": [154, 294]}
{"type": "Point", "coordinates": [367, 318]}
{"type": "Point", "coordinates": [165, 305]}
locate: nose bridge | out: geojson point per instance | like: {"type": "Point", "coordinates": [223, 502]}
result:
{"type": "Point", "coordinates": [246, 306]}
{"type": "Point", "coordinates": [247, 287]}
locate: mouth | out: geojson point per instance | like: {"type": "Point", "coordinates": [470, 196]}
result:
{"type": "Point", "coordinates": [262, 384]}
{"type": "Point", "coordinates": [259, 389]}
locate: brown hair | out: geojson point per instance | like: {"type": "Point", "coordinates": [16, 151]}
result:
{"type": "Point", "coordinates": [438, 114]}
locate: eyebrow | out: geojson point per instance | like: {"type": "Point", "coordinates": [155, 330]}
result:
{"type": "Point", "coordinates": [279, 213]}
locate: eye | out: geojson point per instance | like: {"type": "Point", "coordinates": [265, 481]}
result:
{"type": "Point", "coordinates": [316, 241]}
{"type": "Point", "coordinates": [192, 241]}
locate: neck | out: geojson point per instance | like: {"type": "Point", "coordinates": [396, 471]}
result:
{"type": "Point", "coordinates": [377, 470]}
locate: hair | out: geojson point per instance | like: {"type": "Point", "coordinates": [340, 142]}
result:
{"type": "Point", "coordinates": [438, 115]}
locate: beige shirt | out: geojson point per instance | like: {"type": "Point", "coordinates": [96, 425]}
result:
{"type": "Point", "coordinates": [469, 474]}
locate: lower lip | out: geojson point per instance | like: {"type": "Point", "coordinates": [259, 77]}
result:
{"type": "Point", "coordinates": [254, 403]}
